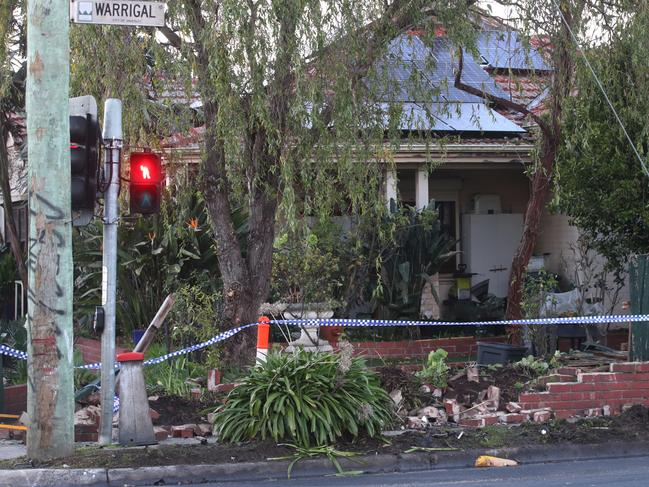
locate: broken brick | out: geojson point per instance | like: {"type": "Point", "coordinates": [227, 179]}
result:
{"type": "Point", "coordinates": [593, 412]}
{"type": "Point", "coordinates": [203, 429]}
{"type": "Point", "coordinates": [490, 419]}
{"type": "Point", "coordinates": [155, 415]}
{"type": "Point", "coordinates": [213, 379]}
{"type": "Point", "coordinates": [472, 422]}
{"type": "Point", "coordinates": [452, 407]}
{"type": "Point", "coordinates": [184, 431]}
{"type": "Point", "coordinates": [493, 395]}
{"type": "Point", "coordinates": [224, 388]}
{"type": "Point", "coordinates": [513, 418]}
{"type": "Point", "coordinates": [513, 407]}
{"type": "Point", "coordinates": [542, 416]}
{"type": "Point", "coordinates": [416, 423]}
{"type": "Point", "coordinates": [160, 433]}
{"type": "Point", "coordinates": [473, 374]}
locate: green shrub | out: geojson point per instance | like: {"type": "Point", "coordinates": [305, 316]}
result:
{"type": "Point", "coordinates": [173, 377]}
{"type": "Point", "coordinates": [436, 370]}
{"type": "Point", "coordinates": [307, 398]}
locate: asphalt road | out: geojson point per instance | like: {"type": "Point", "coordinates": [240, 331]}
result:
{"type": "Point", "coordinates": [620, 472]}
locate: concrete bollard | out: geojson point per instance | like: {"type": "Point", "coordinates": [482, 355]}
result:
{"type": "Point", "coordinates": [135, 425]}
{"type": "Point", "coordinates": [263, 333]}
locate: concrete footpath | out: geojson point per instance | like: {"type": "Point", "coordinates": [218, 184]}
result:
{"type": "Point", "coordinates": [382, 463]}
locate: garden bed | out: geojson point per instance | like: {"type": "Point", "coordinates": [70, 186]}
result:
{"type": "Point", "coordinates": [629, 426]}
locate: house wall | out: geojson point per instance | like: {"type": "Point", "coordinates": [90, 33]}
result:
{"type": "Point", "coordinates": [511, 184]}
{"type": "Point", "coordinates": [558, 239]}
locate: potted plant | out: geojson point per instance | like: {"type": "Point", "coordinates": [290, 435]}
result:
{"type": "Point", "coordinates": [306, 278]}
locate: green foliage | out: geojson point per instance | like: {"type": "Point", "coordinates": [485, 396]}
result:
{"type": "Point", "coordinates": [306, 398]}
{"type": "Point", "coordinates": [600, 183]}
{"type": "Point", "coordinates": [418, 249]}
{"type": "Point", "coordinates": [436, 370]}
{"type": "Point", "coordinates": [173, 377]}
{"type": "Point", "coordinates": [535, 291]}
{"type": "Point", "coordinates": [531, 366]}
{"type": "Point", "coordinates": [156, 256]}
{"type": "Point", "coordinates": [14, 334]}
{"type": "Point", "coordinates": [82, 377]}
{"type": "Point", "coordinates": [7, 271]}
{"type": "Point", "coordinates": [193, 319]}
{"type": "Point", "coordinates": [289, 128]}
{"type": "Point", "coordinates": [307, 266]}
{"type": "Point", "coordinates": [309, 452]}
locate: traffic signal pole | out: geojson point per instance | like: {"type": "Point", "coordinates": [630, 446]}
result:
{"type": "Point", "coordinates": [112, 136]}
{"type": "Point", "coordinates": [50, 389]}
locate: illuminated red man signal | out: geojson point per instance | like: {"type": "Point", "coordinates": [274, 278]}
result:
{"type": "Point", "coordinates": [145, 182]}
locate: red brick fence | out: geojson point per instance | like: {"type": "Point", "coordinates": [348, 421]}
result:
{"type": "Point", "coordinates": [593, 393]}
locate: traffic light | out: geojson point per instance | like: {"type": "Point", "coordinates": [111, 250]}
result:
{"type": "Point", "coordinates": [84, 156]}
{"type": "Point", "coordinates": [145, 183]}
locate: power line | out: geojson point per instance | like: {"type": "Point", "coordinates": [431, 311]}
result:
{"type": "Point", "coordinates": [601, 87]}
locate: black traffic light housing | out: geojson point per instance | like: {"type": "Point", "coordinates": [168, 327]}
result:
{"type": "Point", "coordinates": [145, 183]}
{"type": "Point", "coordinates": [84, 158]}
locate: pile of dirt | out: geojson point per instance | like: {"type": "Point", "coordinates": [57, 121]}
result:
{"type": "Point", "coordinates": [510, 380]}
{"type": "Point", "coordinates": [175, 410]}
{"type": "Point", "coordinates": [394, 378]}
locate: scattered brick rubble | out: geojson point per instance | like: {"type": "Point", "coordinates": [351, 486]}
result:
{"type": "Point", "coordinates": [86, 425]}
{"type": "Point", "coordinates": [569, 392]}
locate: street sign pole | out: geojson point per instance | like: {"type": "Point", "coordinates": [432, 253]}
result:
{"type": "Point", "coordinates": [50, 389]}
{"type": "Point", "coordinates": [112, 136]}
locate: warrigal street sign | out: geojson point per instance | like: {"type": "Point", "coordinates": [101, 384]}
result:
{"type": "Point", "coordinates": [118, 12]}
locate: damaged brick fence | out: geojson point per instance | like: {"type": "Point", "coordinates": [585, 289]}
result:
{"type": "Point", "coordinates": [592, 393]}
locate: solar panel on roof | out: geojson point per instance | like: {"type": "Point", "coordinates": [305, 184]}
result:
{"type": "Point", "coordinates": [420, 80]}
{"type": "Point", "coordinates": [506, 50]}
{"type": "Point", "coordinates": [411, 71]}
{"type": "Point", "coordinates": [446, 117]}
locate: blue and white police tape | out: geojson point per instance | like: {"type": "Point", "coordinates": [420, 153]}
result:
{"type": "Point", "coordinates": [350, 322]}
{"type": "Point", "coordinates": [216, 339]}
{"type": "Point", "coordinates": [567, 320]}
{"type": "Point", "coordinates": [12, 352]}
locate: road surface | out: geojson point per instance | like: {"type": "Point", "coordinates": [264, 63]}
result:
{"type": "Point", "coordinates": [620, 472]}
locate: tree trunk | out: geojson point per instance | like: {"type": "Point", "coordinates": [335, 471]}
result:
{"type": "Point", "coordinates": [540, 192]}
{"type": "Point", "coordinates": [550, 143]}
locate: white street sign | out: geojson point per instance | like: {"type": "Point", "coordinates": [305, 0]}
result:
{"type": "Point", "coordinates": [118, 12]}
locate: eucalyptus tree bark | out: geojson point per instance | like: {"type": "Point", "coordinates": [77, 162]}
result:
{"type": "Point", "coordinates": [549, 126]}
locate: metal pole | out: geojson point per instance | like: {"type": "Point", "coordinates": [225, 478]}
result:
{"type": "Point", "coordinates": [112, 135]}
{"type": "Point", "coordinates": [50, 396]}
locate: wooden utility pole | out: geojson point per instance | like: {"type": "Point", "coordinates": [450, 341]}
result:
{"type": "Point", "coordinates": [50, 397]}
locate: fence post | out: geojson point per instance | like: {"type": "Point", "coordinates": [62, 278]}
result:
{"type": "Point", "coordinates": [639, 280]}
{"type": "Point", "coordinates": [263, 332]}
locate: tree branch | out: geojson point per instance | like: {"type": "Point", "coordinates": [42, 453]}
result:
{"type": "Point", "coordinates": [174, 39]}
{"type": "Point", "coordinates": [498, 102]}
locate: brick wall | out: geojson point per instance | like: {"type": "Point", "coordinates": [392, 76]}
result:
{"type": "Point", "coordinates": [588, 393]}
{"type": "Point", "coordinates": [91, 349]}
{"type": "Point", "coordinates": [16, 396]}
{"type": "Point", "coordinates": [15, 399]}
{"type": "Point", "coordinates": [457, 348]}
